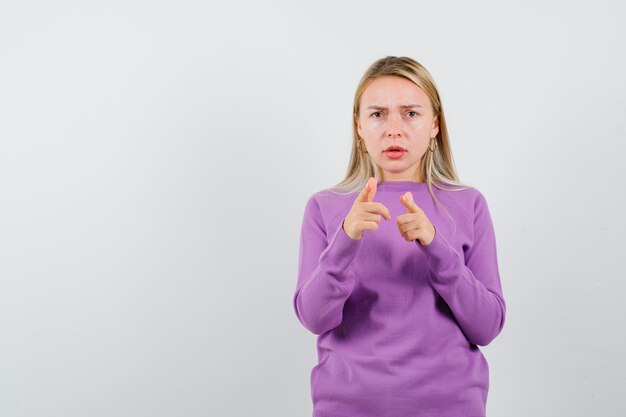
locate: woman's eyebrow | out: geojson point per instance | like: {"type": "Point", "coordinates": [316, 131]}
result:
{"type": "Point", "coordinates": [404, 106]}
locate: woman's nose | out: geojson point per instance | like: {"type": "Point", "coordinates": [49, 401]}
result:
{"type": "Point", "coordinates": [394, 126]}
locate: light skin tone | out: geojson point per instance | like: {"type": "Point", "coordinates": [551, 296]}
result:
{"type": "Point", "coordinates": [393, 112]}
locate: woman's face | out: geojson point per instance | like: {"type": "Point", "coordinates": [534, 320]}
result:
{"type": "Point", "coordinates": [396, 112]}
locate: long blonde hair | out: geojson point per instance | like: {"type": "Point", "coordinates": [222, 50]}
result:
{"type": "Point", "coordinates": [435, 166]}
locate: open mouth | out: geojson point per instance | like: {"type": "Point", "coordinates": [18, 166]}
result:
{"type": "Point", "coordinates": [394, 152]}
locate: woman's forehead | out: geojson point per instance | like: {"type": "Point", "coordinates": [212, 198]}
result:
{"type": "Point", "coordinates": [393, 91]}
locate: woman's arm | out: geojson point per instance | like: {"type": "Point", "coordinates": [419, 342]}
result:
{"type": "Point", "coordinates": [325, 273]}
{"type": "Point", "coordinates": [470, 283]}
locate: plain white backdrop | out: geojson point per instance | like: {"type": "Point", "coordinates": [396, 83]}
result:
{"type": "Point", "coordinates": [156, 156]}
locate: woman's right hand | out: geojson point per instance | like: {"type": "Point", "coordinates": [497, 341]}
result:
{"type": "Point", "coordinates": [365, 214]}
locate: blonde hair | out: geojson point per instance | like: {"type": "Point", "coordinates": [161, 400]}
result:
{"type": "Point", "coordinates": [435, 166]}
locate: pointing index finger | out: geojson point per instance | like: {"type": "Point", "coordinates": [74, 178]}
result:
{"type": "Point", "coordinates": [367, 193]}
{"type": "Point", "coordinates": [409, 203]}
{"type": "Point", "coordinates": [372, 192]}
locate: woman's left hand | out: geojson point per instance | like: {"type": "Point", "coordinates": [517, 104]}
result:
{"type": "Point", "coordinates": [414, 224]}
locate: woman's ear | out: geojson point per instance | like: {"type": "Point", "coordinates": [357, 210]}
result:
{"type": "Point", "coordinates": [358, 125]}
{"type": "Point", "coordinates": [435, 129]}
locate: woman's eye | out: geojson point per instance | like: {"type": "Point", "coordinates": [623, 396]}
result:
{"type": "Point", "coordinates": [412, 113]}
{"type": "Point", "coordinates": [375, 113]}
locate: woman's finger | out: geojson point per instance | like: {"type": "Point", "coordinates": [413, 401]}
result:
{"type": "Point", "coordinates": [376, 207]}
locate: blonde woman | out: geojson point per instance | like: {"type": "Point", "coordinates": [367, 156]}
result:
{"type": "Point", "coordinates": [398, 272]}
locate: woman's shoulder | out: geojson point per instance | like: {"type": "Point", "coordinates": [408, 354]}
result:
{"type": "Point", "coordinates": [467, 198]}
{"type": "Point", "coordinates": [332, 195]}
{"type": "Point", "coordinates": [329, 202]}
{"type": "Point", "coordinates": [462, 190]}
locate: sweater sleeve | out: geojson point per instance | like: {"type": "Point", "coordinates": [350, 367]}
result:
{"type": "Point", "coordinates": [470, 284]}
{"type": "Point", "coordinates": [325, 272]}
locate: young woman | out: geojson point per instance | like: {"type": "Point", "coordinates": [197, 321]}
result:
{"type": "Point", "coordinates": [398, 272]}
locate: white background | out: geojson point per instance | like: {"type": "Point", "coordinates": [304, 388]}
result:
{"type": "Point", "coordinates": [156, 157]}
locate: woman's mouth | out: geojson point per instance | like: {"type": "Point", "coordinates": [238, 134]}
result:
{"type": "Point", "coordinates": [394, 152]}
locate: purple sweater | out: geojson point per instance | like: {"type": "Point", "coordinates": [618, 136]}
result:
{"type": "Point", "coordinates": [398, 322]}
